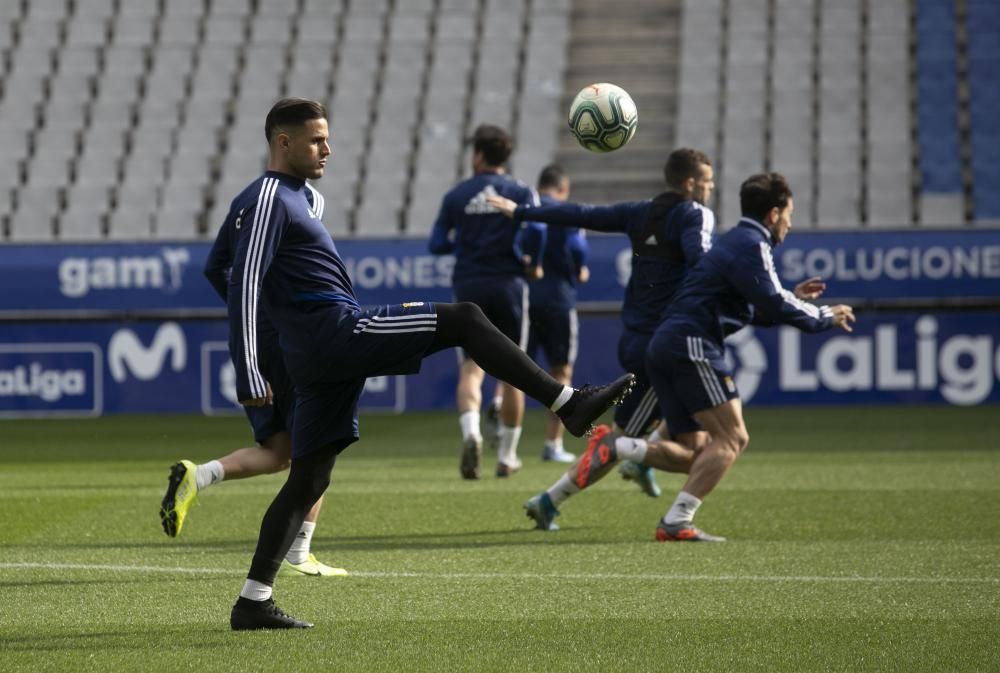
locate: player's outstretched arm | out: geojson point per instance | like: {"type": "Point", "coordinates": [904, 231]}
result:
{"type": "Point", "coordinates": [611, 219]}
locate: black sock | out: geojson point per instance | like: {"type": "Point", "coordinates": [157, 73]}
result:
{"type": "Point", "coordinates": [307, 480]}
{"type": "Point", "coordinates": [464, 324]}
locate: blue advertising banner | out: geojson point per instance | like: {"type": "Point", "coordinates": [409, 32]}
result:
{"type": "Point", "coordinates": [90, 368]}
{"type": "Point", "coordinates": [93, 368]}
{"type": "Point", "coordinates": [930, 265]}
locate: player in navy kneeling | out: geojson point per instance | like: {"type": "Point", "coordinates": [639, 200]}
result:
{"type": "Point", "coordinates": [286, 264]}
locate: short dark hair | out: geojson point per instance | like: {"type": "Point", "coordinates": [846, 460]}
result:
{"type": "Point", "coordinates": [493, 143]}
{"type": "Point", "coordinates": [551, 177]}
{"type": "Point", "coordinates": [761, 192]}
{"type": "Point", "coordinates": [684, 163]}
{"type": "Point", "coordinates": [292, 112]}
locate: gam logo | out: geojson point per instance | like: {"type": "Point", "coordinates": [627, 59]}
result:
{"type": "Point", "coordinates": [127, 354]}
{"type": "Point", "coordinates": [78, 276]}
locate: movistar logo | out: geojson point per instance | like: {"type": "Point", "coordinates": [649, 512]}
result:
{"type": "Point", "coordinates": [127, 354]}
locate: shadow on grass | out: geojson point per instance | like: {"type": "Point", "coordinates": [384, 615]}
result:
{"type": "Point", "coordinates": [422, 541]}
{"type": "Point", "coordinates": [32, 584]}
{"type": "Point", "coordinates": [132, 639]}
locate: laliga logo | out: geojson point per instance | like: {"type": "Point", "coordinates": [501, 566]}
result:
{"type": "Point", "coordinates": [746, 355]}
{"type": "Point", "coordinates": [126, 353]}
{"type": "Point", "coordinates": [37, 381]}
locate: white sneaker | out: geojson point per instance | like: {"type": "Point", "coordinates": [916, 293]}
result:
{"type": "Point", "coordinates": [558, 456]}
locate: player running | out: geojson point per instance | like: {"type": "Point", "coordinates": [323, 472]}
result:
{"type": "Point", "coordinates": [734, 285]}
{"type": "Point", "coordinates": [271, 423]}
{"type": "Point", "coordinates": [286, 265]}
{"type": "Point", "coordinates": [491, 267]}
{"type": "Point", "coordinates": [554, 324]}
{"type": "Point", "coordinates": [669, 234]}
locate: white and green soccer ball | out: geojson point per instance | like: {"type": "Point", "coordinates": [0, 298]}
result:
{"type": "Point", "coordinates": [603, 117]}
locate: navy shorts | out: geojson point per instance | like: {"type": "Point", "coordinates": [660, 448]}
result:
{"type": "Point", "coordinates": [269, 420]}
{"type": "Point", "coordinates": [505, 303]}
{"type": "Point", "coordinates": [555, 332]}
{"type": "Point", "coordinates": [687, 383]}
{"type": "Point", "coordinates": [376, 341]}
{"type": "Point", "coordinates": [638, 411]}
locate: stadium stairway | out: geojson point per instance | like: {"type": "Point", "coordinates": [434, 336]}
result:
{"type": "Point", "coordinates": [631, 43]}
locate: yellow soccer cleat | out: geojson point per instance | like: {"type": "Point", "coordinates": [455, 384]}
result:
{"type": "Point", "coordinates": [182, 491]}
{"type": "Point", "coordinates": [311, 566]}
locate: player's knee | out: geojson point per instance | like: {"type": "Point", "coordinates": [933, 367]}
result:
{"type": "Point", "coordinates": [739, 438]}
{"type": "Point", "coordinates": [469, 313]}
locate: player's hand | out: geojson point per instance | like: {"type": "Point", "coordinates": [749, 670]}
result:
{"type": "Point", "coordinates": [502, 204]}
{"type": "Point", "coordinates": [534, 271]}
{"type": "Point", "coordinates": [584, 275]}
{"type": "Point", "coordinates": [267, 400]}
{"type": "Point", "coordinates": [810, 288]}
{"type": "Point", "coordinates": [843, 316]}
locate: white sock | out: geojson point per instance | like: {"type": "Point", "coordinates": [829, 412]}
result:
{"type": "Point", "coordinates": [256, 591]}
{"type": "Point", "coordinates": [469, 422]}
{"type": "Point", "coordinates": [562, 489]}
{"type": "Point", "coordinates": [631, 448]}
{"type": "Point", "coordinates": [507, 448]}
{"type": "Point", "coordinates": [563, 398]}
{"type": "Point", "coordinates": [655, 435]}
{"type": "Point", "coordinates": [208, 473]}
{"type": "Point", "coordinates": [299, 551]}
{"type": "Point", "coordinates": [683, 509]}
{"type": "Point", "coordinates": [554, 445]}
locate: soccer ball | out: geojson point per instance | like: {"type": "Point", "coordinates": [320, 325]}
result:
{"type": "Point", "coordinates": [603, 117]}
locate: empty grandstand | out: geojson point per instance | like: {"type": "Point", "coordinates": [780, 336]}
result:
{"type": "Point", "coordinates": [138, 119]}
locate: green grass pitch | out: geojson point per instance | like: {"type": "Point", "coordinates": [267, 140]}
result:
{"type": "Point", "coordinates": [861, 539]}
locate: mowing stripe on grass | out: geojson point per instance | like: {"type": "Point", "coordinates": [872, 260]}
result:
{"type": "Point", "coordinates": [528, 576]}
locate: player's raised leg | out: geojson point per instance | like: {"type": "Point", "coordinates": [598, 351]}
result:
{"type": "Point", "coordinates": [464, 324]}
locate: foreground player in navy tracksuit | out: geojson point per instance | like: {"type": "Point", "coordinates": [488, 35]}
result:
{"type": "Point", "coordinates": [669, 234]}
{"type": "Point", "coordinates": [492, 262]}
{"type": "Point", "coordinates": [734, 285]}
{"type": "Point", "coordinates": [272, 424]}
{"type": "Point", "coordinates": [554, 324]}
{"type": "Point", "coordinates": [286, 265]}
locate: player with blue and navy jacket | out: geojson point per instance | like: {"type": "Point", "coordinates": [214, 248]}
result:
{"type": "Point", "coordinates": [272, 424]}
{"type": "Point", "coordinates": [493, 259]}
{"type": "Point", "coordinates": [732, 286]}
{"type": "Point", "coordinates": [669, 234]}
{"type": "Point", "coordinates": [285, 265]}
{"type": "Point", "coordinates": [554, 325]}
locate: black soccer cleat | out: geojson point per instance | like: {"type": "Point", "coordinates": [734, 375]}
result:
{"type": "Point", "coordinates": [248, 615]}
{"type": "Point", "coordinates": [590, 402]}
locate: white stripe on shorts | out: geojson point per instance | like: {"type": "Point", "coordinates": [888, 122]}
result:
{"type": "Point", "coordinates": [640, 417]}
{"type": "Point", "coordinates": [398, 324]}
{"type": "Point", "coordinates": [696, 354]}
